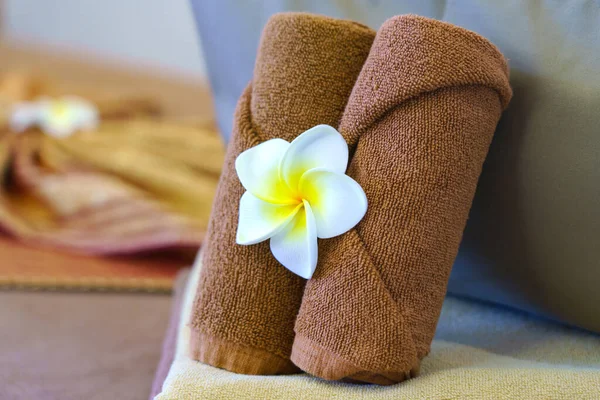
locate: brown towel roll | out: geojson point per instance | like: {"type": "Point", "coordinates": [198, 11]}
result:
{"type": "Point", "coordinates": [247, 302]}
{"type": "Point", "coordinates": [421, 117]}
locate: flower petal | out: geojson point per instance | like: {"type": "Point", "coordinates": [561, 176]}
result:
{"type": "Point", "coordinates": [259, 220]}
{"type": "Point", "coordinates": [59, 128]}
{"type": "Point", "coordinates": [85, 114]}
{"type": "Point", "coordinates": [63, 117]}
{"type": "Point", "coordinates": [319, 147]}
{"type": "Point", "coordinates": [295, 246]}
{"type": "Point", "coordinates": [258, 170]}
{"type": "Point", "coordinates": [23, 116]}
{"type": "Point", "coordinates": [338, 202]}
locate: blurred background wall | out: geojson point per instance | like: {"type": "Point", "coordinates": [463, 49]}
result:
{"type": "Point", "coordinates": [157, 34]}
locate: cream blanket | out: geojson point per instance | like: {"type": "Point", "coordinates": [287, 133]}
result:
{"type": "Point", "coordinates": [480, 352]}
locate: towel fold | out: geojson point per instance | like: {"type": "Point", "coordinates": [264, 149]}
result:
{"type": "Point", "coordinates": [135, 183]}
{"type": "Point", "coordinates": [420, 119]}
{"type": "Point", "coordinates": [123, 188]}
{"type": "Point", "coordinates": [246, 305]}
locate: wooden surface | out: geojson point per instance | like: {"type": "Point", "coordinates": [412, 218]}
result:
{"type": "Point", "coordinates": [22, 266]}
{"type": "Point", "coordinates": [181, 98]}
{"type": "Point", "coordinates": [32, 268]}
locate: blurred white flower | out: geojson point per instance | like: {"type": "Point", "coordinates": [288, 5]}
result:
{"type": "Point", "coordinates": [56, 117]}
{"type": "Point", "coordinates": [298, 192]}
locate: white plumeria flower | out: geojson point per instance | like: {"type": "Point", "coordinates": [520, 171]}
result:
{"type": "Point", "coordinates": [56, 117]}
{"type": "Point", "coordinates": [298, 192]}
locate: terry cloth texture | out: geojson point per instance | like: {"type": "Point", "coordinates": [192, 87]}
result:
{"type": "Point", "coordinates": [247, 302]}
{"type": "Point", "coordinates": [479, 352]}
{"type": "Point", "coordinates": [421, 117]}
{"type": "Point", "coordinates": [168, 348]}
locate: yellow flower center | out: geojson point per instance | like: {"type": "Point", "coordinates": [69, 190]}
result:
{"type": "Point", "coordinates": [60, 110]}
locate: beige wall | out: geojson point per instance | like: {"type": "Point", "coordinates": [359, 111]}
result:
{"type": "Point", "coordinates": [153, 33]}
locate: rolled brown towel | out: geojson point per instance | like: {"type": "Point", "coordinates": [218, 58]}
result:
{"type": "Point", "coordinates": [246, 305]}
{"type": "Point", "coordinates": [421, 117]}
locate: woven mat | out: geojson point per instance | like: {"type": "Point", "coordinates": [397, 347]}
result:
{"type": "Point", "coordinates": [30, 268]}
